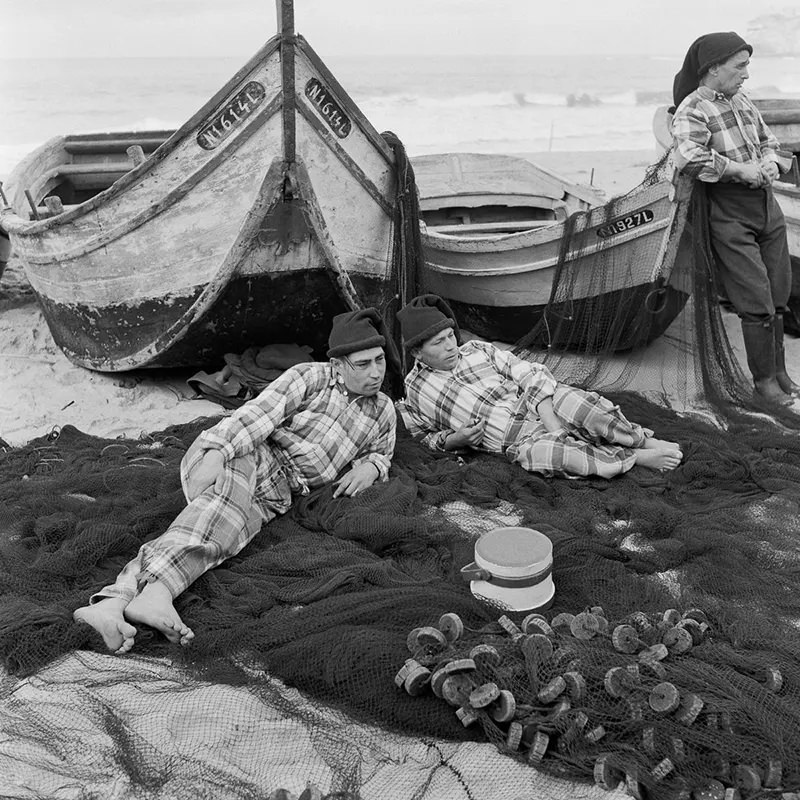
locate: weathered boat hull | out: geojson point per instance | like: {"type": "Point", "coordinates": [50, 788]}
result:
{"type": "Point", "coordinates": [264, 215]}
{"type": "Point", "coordinates": [502, 285]}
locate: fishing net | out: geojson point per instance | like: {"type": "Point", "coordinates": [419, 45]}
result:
{"type": "Point", "coordinates": [668, 335]}
{"type": "Point", "coordinates": [341, 654]}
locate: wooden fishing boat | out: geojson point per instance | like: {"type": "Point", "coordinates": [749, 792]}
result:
{"type": "Point", "coordinates": [265, 214]}
{"type": "Point", "coordinates": [502, 244]}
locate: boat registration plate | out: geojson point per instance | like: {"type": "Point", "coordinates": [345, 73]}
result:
{"type": "Point", "coordinates": [231, 115]}
{"type": "Point", "coordinates": [331, 111]}
{"type": "Point", "coordinates": [626, 223]}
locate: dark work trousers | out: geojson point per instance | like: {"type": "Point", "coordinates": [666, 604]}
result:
{"type": "Point", "coordinates": [748, 236]}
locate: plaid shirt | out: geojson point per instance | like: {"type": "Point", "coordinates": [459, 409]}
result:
{"type": "Point", "coordinates": [487, 383]}
{"type": "Point", "coordinates": [311, 425]}
{"type": "Point", "coordinates": [711, 130]}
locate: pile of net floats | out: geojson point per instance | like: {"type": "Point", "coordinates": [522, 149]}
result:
{"type": "Point", "coordinates": [632, 703]}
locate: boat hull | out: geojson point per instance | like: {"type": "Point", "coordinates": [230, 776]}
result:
{"type": "Point", "coordinates": [502, 287]}
{"type": "Point", "coordinates": [587, 326]}
{"type": "Point", "coordinates": [255, 222]}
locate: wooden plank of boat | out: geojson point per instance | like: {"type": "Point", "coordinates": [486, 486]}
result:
{"type": "Point", "coordinates": [265, 214]}
{"type": "Point", "coordinates": [474, 188]}
{"type": "Point", "coordinates": [500, 283]}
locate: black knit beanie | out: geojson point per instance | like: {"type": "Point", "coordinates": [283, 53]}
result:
{"type": "Point", "coordinates": [425, 316]}
{"type": "Point", "coordinates": [355, 330]}
{"type": "Point", "coordinates": [703, 53]}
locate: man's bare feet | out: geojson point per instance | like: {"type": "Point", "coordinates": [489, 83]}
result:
{"type": "Point", "coordinates": [153, 606]}
{"type": "Point", "coordinates": [658, 459]}
{"type": "Point", "coordinates": [107, 618]}
{"type": "Point", "coordinates": [660, 444]}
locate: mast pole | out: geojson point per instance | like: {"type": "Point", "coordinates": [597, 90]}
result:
{"type": "Point", "coordinates": [285, 9]}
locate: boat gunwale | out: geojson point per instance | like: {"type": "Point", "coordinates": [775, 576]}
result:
{"type": "Point", "coordinates": [571, 255]}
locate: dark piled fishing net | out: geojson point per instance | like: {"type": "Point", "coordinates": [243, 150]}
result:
{"type": "Point", "coordinates": [324, 600]}
{"type": "Point", "coordinates": [324, 649]}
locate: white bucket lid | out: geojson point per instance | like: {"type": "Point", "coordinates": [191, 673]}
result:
{"type": "Point", "coordinates": [513, 552]}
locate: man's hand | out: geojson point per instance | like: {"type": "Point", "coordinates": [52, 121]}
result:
{"type": "Point", "coordinates": [207, 473]}
{"type": "Point", "coordinates": [356, 480]}
{"type": "Point", "coordinates": [471, 435]}
{"type": "Point", "coordinates": [751, 175]}
{"type": "Point", "coordinates": [548, 415]}
{"type": "Point", "coordinates": [770, 171]}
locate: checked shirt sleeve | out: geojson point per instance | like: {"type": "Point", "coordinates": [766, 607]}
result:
{"type": "Point", "coordinates": [421, 428]}
{"type": "Point", "coordinates": [381, 449]}
{"type": "Point", "coordinates": [693, 154]}
{"type": "Point", "coordinates": [254, 422]}
{"type": "Point", "coordinates": [769, 145]}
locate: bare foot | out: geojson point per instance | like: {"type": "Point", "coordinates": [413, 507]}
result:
{"type": "Point", "coordinates": [153, 607]}
{"type": "Point", "coordinates": [107, 618]}
{"type": "Point", "coordinates": [660, 444]}
{"type": "Point", "coordinates": [658, 459]}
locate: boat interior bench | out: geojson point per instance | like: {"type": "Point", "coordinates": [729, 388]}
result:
{"type": "Point", "coordinates": [514, 226]}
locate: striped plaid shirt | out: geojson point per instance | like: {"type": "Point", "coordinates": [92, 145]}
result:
{"type": "Point", "coordinates": [711, 130]}
{"type": "Point", "coordinates": [487, 383]}
{"type": "Point", "coordinates": [311, 425]}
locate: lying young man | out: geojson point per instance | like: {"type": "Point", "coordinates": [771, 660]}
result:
{"type": "Point", "coordinates": [479, 396]}
{"type": "Point", "coordinates": [318, 423]}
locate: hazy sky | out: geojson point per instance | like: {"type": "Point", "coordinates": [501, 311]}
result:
{"type": "Point", "coordinates": [63, 28]}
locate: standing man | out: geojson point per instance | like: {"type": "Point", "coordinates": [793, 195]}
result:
{"type": "Point", "coordinates": [318, 423]}
{"type": "Point", "coordinates": [478, 396]}
{"type": "Point", "coordinates": [721, 139]}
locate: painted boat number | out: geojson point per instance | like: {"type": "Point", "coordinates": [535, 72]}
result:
{"type": "Point", "coordinates": [331, 112]}
{"type": "Point", "coordinates": [234, 113]}
{"type": "Point", "coordinates": [626, 223]}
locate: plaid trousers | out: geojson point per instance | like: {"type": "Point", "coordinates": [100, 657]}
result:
{"type": "Point", "coordinates": [596, 438]}
{"type": "Point", "coordinates": [213, 527]}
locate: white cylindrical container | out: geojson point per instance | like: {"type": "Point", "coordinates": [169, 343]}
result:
{"type": "Point", "coordinates": [513, 567]}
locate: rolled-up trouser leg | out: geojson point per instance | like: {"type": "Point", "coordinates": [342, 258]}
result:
{"type": "Point", "coordinates": [596, 439]}
{"type": "Point", "coordinates": [213, 527]}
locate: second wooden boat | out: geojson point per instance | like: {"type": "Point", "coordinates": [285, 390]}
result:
{"type": "Point", "coordinates": [532, 250]}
